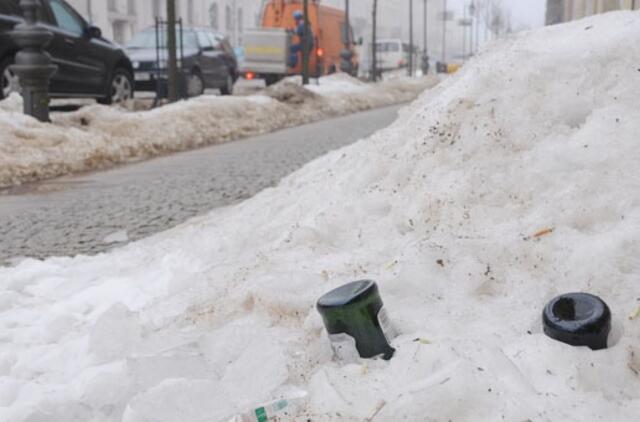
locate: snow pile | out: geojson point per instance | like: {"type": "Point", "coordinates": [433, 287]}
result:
{"type": "Point", "coordinates": [12, 104]}
{"type": "Point", "coordinates": [337, 82]}
{"type": "Point", "coordinates": [217, 316]}
{"type": "Point", "coordinates": [97, 137]}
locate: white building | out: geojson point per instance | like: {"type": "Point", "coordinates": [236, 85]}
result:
{"type": "Point", "coordinates": [559, 11]}
{"type": "Point", "coordinates": [120, 19]}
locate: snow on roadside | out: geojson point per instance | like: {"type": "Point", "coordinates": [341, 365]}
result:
{"type": "Point", "coordinates": [97, 137]}
{"type": "Point", "coordinates": [217, 315]}
{"type": "Point", "coordinates": [12, 104]}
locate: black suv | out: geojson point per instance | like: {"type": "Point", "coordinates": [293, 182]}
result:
{"type": "Point", "coordinates": [89, 66]}
{"type": "Point", "coordinates": [208, 60]}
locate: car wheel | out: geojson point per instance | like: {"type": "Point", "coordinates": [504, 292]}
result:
{"type": "Point", "coordinates": [120, 88]}
{"type": "Point", "coordinates": [271, 79]}
{"type": "Point", "coordinates": [227, 89]}
{"type": "Point", "coordinates": [9, 81]}
{"type": "Point", "coordinates": [195, 84]}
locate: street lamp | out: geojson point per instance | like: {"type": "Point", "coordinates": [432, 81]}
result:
{"type": "Point", "coordinates": [33, 64]}
{"type": "Point", "coordinates": [425, 54]}
{"type": "Point", "coordinates": [475, 10]}
{"type": "Point", "coordinates": [410, 69]}
{"type": "Point", "coordinates": [374, 41]}
{"type": "Point", "coordinates": [472, 13]}
{"type": "Point", "coordinates": [172, 51]}
{"type": "Point", "coordinates": [305, 45]}
{"type": "Point", "coordinates": [464, 31]}
{"type": "Point", "coordinates": [444, 33]}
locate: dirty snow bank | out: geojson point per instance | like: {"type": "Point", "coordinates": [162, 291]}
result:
{"type": "Point", "coordinates": [97, 137]}
{"type": "Point", "coordinates": [216, 316]}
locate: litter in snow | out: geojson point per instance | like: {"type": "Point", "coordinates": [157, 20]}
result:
{"type": "Point", "coordinates": [217, 316]}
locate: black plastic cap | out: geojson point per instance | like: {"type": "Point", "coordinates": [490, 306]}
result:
{"type": "Point", "coordinates": [578, 319]}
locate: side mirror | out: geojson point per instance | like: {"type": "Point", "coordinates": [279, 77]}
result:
{"type": "Point", "coordinates": [93, 32]}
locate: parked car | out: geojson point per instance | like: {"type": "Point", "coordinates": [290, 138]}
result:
{"type": "Point", "coordinates": [89, 66]}
{"type": "Point", "coordinates": [206, 58]}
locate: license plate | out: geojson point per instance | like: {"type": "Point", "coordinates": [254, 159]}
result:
{"type": "Point", "coordinates": [143, 76]}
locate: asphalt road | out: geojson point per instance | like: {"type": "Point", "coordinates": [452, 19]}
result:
{"type": "Point", "coordinates": [92, 213]}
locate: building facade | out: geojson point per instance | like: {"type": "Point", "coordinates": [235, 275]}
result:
{"type": "Point", "coordinates": [559, 11]}
{"type": "Point", "coordinates": [120, 19]}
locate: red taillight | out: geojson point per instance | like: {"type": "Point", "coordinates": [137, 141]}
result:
{"type": "Point", "coordinates": [250, 76]}
{"type": "Point", "coordinates": [320, 52]}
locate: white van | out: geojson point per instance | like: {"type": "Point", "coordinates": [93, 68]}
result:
{"type": "Point", "coordinates": [394, 54]}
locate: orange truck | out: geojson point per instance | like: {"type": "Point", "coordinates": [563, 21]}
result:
{"type": "Point", "coordinates": [267, 49]}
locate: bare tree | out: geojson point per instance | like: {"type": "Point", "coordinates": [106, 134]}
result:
{"type": "Point", "coordinates": [496, 16]}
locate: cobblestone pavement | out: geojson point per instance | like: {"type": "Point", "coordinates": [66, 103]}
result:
{"type": "Point", "coordinates": [91, 213]}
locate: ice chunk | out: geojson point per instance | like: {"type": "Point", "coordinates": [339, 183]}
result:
{"type": "Point", "coordinates": [181, 400]}
{"type": "Point", "coordinates": [117, 237]}
{"type": "Point", "coordinates": [7, 360]}
{"type": "Point", "coordinates": [249, 357]}
{"type": "Point", "coordinates": [9, 390]}
{"type": "Point", "coordinates": [105, 388]}
{"type": "Point", "coordinates": [148, 371]}
{"type": "Point", "coordinates": [114, 334]}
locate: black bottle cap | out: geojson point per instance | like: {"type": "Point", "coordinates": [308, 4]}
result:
{"type": "Point", "coordinates": [578, 319]}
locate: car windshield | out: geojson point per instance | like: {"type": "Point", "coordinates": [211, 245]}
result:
{"type": "Point", "coordinates": [147, 39]}
{"type": "Point", "coordinates": [388, 47]}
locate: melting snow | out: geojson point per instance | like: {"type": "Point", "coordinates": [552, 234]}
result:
{"type": "Point", "coordinates": [97, 137]}
{"type": "Point", "coordinates": [217, 316]}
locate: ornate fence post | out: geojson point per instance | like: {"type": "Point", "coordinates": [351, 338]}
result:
{"type": "Point", "coordinates": [33, 64]}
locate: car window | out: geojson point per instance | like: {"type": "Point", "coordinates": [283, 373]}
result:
{"type": "Point", "coordinates": [204, 40]}
{"type": "Point", "coordinates": [147, 39]}
{"type": "Point", "coordinates": [388, 47]}
{"type": "Point", "coordinates": [65, 18]}
{"type": "Point", "coordinates": [188, 38]}
{"type": "Point", "coordinates": [9, 7]}
{"type": "Point", "coordinates": [215, 40]}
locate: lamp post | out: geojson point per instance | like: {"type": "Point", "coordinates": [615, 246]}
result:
{"type": "Point", "coordinates": [374, 45]}
{"type": "Point", "coordinates": [476, 18]}
{"type": "Point", "coordinates": [410, 69]}
{"type": "Point", "coordinates": [472, 13]}
{"type": "Point", "coordinates": [425, 53]}
{"type": "Point", "coordinates": [464, 31]}
{"type": "Point", "coordinates": [444, 33]}
{"type": "Point", "coordinates": [33, 64]}
{"type": "Point", "coordinates": [171, 46]}
{"type": "Point", "coordinates": [305, 45]}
